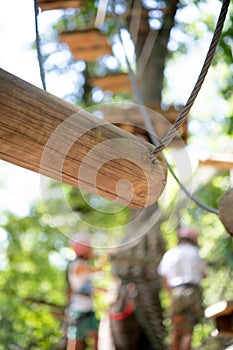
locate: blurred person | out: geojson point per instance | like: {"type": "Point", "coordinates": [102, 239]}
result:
{"type": "Point", "coordinates": [182, 270]}
{"type": "Point", "coordinates": [82, 323]}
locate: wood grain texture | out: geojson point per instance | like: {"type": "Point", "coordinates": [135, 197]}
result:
{"type": "Point", "coordinates": [45, 134]}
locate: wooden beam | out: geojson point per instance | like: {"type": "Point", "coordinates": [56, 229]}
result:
{"type": "Point", "coordinates": [222, 161]}
{"type": "Point", "coordinates": [222, 308]}
{"type": "Point", "coordinates": [86, 44]}
{"type": "Point", "coordinates": [222, 314]}
{"type": "Point", "coordinates": [113, 82]}
{"type": "Point", "coordinates": [90, 55]}
{"type": "Point", "coordinates": [45, 134]}
{"type": "Point", "coordinates": [129, 117]}
{"type": "Point", "coordinates": [84, 38]}
{"type": "Point", "coordinates": [46, 5]}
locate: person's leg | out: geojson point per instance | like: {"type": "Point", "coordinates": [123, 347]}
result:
{"type": "Point", "coordinates": [75, 344]}
{"type": "Point", "coordinates": [93, 335]}
{"type": "Point", "coordinates": [178, 322]}
{"type": "Point", "coordinates": [92, 326]}
{"type": "Point", "coordinates": [71, 344]}
{"type": "Point", "coordinates": [186, 341]}
{"type": "Point", "coordinates": [75, 337]}
{"type": "Point", "coordinates": [175, 338]}
{"type": "Point", "coordinates": [80, 345]}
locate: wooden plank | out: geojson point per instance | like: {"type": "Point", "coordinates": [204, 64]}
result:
{"type": "Point", "coordinates": [222, 161]}
{"type": "Point", "coordinates": [89, 38]}
{"type": "Point", "coordinates": [123, 115]}
{"type": "Point", "coordinates": [222, 314]}
{"type": "Point", "coordinates": [224, 334]}
{"type": "Point", "coordinates": [90, 55]}
{"type": "Point", "coordinates": [45, 134]}
{"type": "Point", "coordinates": [114, 82]}
{"type": "Point", "coordinates": [86, 44]}
{"type": "Point", "coordinates": [222, 308]}
{"type": "Point", "coordinates": [46, 5]}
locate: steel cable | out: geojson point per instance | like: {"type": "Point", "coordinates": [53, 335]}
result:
{"type": "Point", "coordinates": [39, 55]}
{"type": "Point", "coordinates": [184, 113]}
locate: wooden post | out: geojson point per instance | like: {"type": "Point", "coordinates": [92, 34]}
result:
{"type": "Point", "coordinates": [222, 313]}
{"type": "Point", "coordinates": [45, 134]}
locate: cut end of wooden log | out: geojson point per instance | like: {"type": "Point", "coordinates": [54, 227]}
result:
{"type": "Point", "coordinates": [226, 210]}
{"type": "Point", "coordinates": [129, 178]}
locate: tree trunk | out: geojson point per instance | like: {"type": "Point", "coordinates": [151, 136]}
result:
{"type": "Point", "coordinates": [150, 79]}
{"type": "Point", "coordinates": [138, 264]}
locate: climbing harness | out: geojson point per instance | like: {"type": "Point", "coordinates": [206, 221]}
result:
{"type": "Point", "coordinates": [125, 313]}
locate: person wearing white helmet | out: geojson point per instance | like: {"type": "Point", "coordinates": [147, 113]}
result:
{"type": "Point", "coordinates": [82, 323]}
{"type": "Point", "coordinates": [182, 270]}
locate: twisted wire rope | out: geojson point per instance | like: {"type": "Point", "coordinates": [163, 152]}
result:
{"type": "Point", "coordinates": [185, 111]}
{"type": "Point", "coordinates": [160, 145]}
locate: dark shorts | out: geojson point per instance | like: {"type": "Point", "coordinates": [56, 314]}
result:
{"type": "Point", "coordinates": [80, 324]}
{"type": "Point", "coordinates": [186, 307]}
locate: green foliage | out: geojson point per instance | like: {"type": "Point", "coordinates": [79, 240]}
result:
{"type": "Point", "coordinates": [213, 193]}
{"type": "Point", "coordinates": [33, 251]}
{"type": "Point", "coordinates": [216, 246]}
{"type": "Point", "coordinates": [29, 274]}
{"type": "Point", "coordinates": [33, 259]}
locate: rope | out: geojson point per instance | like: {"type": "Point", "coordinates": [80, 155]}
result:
{"type": "Point", "coordinates": [39, 55]}
{"type": "Point", "coordinates": [193, 198]}
{"type": "Point", "coordinates": [137, 93]}
{"type": "Point", "coordinates": [184, 113]}
{"type": "Point", "coordinates": [148, 123]}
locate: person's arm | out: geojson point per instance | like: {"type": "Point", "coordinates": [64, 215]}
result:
{"type": "Point", "coordinates": [166, 286]}
{"type": "Point", "coordinates": [203, 267]}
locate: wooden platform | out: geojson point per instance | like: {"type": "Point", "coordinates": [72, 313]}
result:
{"type": "Point", "coordinates": [46, 5]}
{"type": "Point", "coordinates": [113, 82]}
{"type": "Point", "coordinates": [222, 314]}
{"type": "Point", "coordinates": [86, 44]}
{"type": "Point", "coordinates": [130, 119]}
{"type": "Point", "coordinates": [221, 161]}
